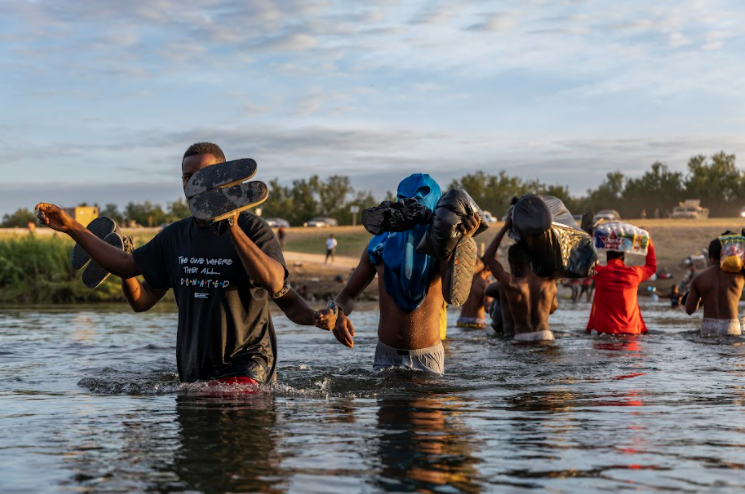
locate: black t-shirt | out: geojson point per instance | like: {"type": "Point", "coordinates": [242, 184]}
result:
{"type": "Point", "coordinates": [224, 328]}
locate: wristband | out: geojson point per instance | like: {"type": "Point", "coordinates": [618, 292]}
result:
{"type": "Point", "coordinates": [333, 307]}
{"type": "Point", "coordinates": [283, 291]}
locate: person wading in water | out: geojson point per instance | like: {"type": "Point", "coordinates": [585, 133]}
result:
{"type": "Point", "coordinates": [222, 284]}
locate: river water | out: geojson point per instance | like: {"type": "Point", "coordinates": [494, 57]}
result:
{"type": "Point", "coordinates": [90, 402]}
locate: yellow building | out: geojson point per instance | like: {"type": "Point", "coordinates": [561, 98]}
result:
{"type": "Point", "coordinates": [83, 214]}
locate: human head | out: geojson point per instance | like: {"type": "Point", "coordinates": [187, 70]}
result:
{"type": "Point", "coordinates": [421, 187]}
{"type": "Point", "coordinates": [715, 251]}
{"type": "Point", "coordinates": [198, 156]}
{"type": "Point", "coordinates": [519, 259]}
{"type": "Point", "coordinates": [331, 235]}
{"type": "Point", "coordinates": [611, 255]}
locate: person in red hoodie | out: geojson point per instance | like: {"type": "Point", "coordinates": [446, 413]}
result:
{"type": "Point", "coordinates": [615, 309]}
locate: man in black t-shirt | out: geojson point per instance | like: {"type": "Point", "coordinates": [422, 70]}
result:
{"type": "Point", "coordinates": [222, 284]}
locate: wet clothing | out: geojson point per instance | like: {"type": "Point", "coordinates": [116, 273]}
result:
{"type": "Point", "coordinates": [721, 327]}
{"type": "Point", "coordinates": [224, 328]}
{"type": "Point", "coordinates": [615, 308]}
{"type": "Point", "coordinates": [408, 273]}
{"type": "Point", "coordinates": [471, 322]}
{"type": "Point", "coordinates": [431, 359]}
{"type": "Point", "coordinates": [545, 335]}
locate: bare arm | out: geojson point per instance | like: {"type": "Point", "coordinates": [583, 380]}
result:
{"type": "Point", "coordinates": [140, 295]}
{"type": "Point", "coordinates": [343, 329]}
{"type": "Point", "coordinates": [261, 269]}
{"type": "Point", "coordinates": [693, 299]}
{"type": "Point", "coordinates": [113, 260]}
{"type": "Point", "coordinates": [554, 305]}
{"type": "Point", "coordinates": [490, 257]}
{"type": "Point", "coordinates": [650, 264]}
{"type": "Point", "coordinates": [360, 279]}
{"type": "Point", "coordinates": [295, 308]}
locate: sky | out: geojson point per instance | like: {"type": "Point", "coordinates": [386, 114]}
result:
{"type": "Point", "coordinates": [100, 98]}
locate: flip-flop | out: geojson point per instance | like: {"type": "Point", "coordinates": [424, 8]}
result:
{"type": "Point", "coordinates": [220, 203]}
{"type": "Point", "coordinates": [100, 227]}
{"type": "Point", "coordinates": [94, 274]}
{"type": "Point", "coordinates": [220, 175]}
{"type": "Point", "coordinates": [461, 269]}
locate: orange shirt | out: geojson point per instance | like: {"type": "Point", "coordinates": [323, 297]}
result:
{"type": "Point", "coordinates": [615, 308]}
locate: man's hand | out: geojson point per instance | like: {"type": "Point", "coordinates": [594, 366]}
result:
{"type": "Point", "coordinates": [54, 217]}
{"type": "Point", "coordinates": [324, 319]}
{"type": "Point", "coordinates": [508, 221]}
{"type": "Point", "coordinates": [344, 331]}
{"type": "Point", "coordinates": [470, 225]}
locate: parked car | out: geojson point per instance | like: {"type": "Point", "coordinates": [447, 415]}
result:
{"type": "Point", "coordinates": [742, 212]}
{"type": "Point", "coordinates": [487, 217]}
{"type": "Point", "coordinates": [607, 215]}
{"type": "Point", "coordinates": [690, 209]}
{"type": "Point", "coordinates": [321, 222]}
{"type": "Point", "coordinates": [277, 222]}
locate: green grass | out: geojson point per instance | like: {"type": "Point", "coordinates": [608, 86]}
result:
{"type": "Point", "coordinates": [352, 240]}
{"type": "Point", "coordinates": [36, 269]}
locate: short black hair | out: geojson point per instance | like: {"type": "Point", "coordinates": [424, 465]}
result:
{"type": "Point", "coordinates": [205, 148]}
{"type": "Point", "coordinates": [518, 254]}
{"type": "Point", "coordinates": [715, 249]}
{"type": "Point", "coordinates": [612, 254]}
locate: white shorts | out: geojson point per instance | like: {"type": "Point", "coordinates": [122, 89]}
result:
{"type": "Point", "coordinates": [545, 335]}
{"type": "Point", "coordinates": [721, 327]}
{"type": "Point", "coordinates": [431, 359]}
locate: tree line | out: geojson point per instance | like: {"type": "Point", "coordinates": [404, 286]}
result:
{"type": "Point", "coordinates": [715, 180]}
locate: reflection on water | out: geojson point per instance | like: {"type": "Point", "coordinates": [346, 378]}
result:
{"type": "Point", "coordinates": [236, 441]}
{"type": "Point", "coordinates": [423, 446]}
{"type": "Point", "coordinates": [91, 403]}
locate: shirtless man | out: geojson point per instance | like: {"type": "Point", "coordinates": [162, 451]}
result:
{"type": "Point", "coordinates": [411, 288]}
{"type": "Point", "coordinates": [531, 299]}
{"type": "Point", "coordinates": [720, 293]}
{"type": "Point", "coordinates": [473, 313]}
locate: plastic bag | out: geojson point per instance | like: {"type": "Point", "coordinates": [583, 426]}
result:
{"type": "Point", "coordinates": [443, 235]}
{"type": "Point", "coordinates": [561, 249]}
{"type": "Point", "coordinates": [618, 236]}
{"type": "Point", "coordinates": [733, 253]}
{"type": "Point", "coordinates": [398, 216]}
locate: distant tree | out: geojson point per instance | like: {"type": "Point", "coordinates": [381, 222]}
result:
{"type": "Point", "coordinates": [362, 200]}
{"type": "Point", "coordinates": [718, 184]}
{"type": "Point", "coordinates": [112, 211]}
{"type": "Point", "coordinates": [658, 188]}
{"type": "Point", "coordinates": [332, 194]}
{"type": "Point", "coordinates": [280, 203]}
{"type": "Point", "coordinates": [178, 210]}
{"type": "Point", "coordinates": [19, 219]}
{"type": "Point", "coordinates": [146, 214]}
{"type": "Point", "coordinates": [304, 200]}
{"type": "Point", "coordinates": [491, 192]}
{"type": "Point", "coordinates": [609, 194]}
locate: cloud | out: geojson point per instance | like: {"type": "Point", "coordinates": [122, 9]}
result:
{"type": "Point", "coordinates": [495, 23]}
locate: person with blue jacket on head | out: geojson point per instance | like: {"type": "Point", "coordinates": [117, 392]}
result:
{"type": "Point", "coordinates": [411, 289]}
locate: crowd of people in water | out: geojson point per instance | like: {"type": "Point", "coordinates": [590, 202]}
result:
{"type": "Point", "coordinates": [223, 284]}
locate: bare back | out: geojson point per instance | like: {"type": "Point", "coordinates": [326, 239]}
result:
{"type": "Point", "coordinates": [410, 330]}
{"type": "Point", "coordinates": [719, 291]}
{"type": "Point", "coordinates": [531, 300]}
{"type": "Point", "coordinates": [475, 304]}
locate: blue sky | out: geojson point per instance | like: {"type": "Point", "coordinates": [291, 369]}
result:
{"type": "Point", "coordinates": [101, 98]}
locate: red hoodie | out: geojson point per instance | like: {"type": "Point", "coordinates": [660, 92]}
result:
{"type": "Point", "coordinates": [615, 308]}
